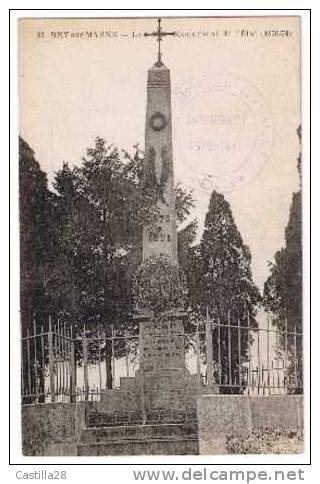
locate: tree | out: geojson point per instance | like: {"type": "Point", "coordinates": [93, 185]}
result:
{"type": "Point", "coordinates": [81, 245]}
{"type": "Point", "coordinates": [220, 281]}
{"type": "Point", "coordinates": [103, 207]}
{"type": "Point", "coordinates": [283, 290]}
{"type": "Point", "coordinates": [37, 245]}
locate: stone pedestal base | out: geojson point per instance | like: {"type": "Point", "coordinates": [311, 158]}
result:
{"type": "Point", "coordinates": [163, 376]}
{"type": "Point", "coordinates": [162, 382]}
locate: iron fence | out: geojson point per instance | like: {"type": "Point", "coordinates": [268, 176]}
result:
{"type": "Point", "coordinates": [243, 356]}
{"type": "Point", "coordinates": [59, 366]}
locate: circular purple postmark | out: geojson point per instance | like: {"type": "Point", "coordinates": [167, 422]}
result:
{"type": "Point", "coordinates": [223, 132]}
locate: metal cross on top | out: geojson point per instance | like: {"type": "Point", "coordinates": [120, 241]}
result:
{"type": "Point", "coordinates": [159, 33]}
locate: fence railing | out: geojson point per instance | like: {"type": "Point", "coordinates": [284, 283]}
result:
{"type": "Point", "coordinates": [243, 356]}
{"type": "Point", "coordinates": [59, 366]}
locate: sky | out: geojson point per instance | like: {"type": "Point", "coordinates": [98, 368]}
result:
{"type": "Point", "coordinates": [235, 106]}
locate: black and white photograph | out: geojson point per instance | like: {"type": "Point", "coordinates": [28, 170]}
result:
{"type": "Point", "coordinates": [160, 218]}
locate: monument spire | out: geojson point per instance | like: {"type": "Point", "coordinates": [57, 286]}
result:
{"type": "Point", "coordinates": [159, 284]}
{"type": "Point", "coordinates": [159, 33]}
{"type": "Point", "coordinates": [158, 168]}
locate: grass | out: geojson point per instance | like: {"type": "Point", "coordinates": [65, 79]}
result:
{"type": "Point", "coordinates": [267, 440]}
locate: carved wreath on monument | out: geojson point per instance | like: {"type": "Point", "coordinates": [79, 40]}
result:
{"type": "Point", "coordinates": [159, 286]}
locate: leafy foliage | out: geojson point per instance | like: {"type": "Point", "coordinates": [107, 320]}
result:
{"type": "Point", "coordinates": [220, 283]}
{"type": "Point", "coordinates": [81, 245]}
{"type": "Point", "coordinates": [37, 237]}
{"type": "Point", "coordinates": [105, 204]}
{"type": "Point", "coordinates": [91, 245]}
{"type": "Point", "coordinates": [283, 288]}
{"type": "Point", "coordinates": [38, 216]}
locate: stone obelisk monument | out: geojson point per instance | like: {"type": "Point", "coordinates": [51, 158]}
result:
{"type": "Point", "coordinates": [159, 282]}
{"type": "Point", "coordinates": [159, 159]}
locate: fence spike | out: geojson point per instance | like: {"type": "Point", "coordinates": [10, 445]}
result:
{"type": "Point", "coordinates": [209, 350]}
{"type": "Point", "coordinates": [51, 361]}
{"type": "Point", "coordinates": [85, 364]}
{"type": "Point", "coordinates": [239, 349]}
{"type": "Point", "coordinates": [35, 359]}
{"type": "Point", "coordinates": [229, 350]}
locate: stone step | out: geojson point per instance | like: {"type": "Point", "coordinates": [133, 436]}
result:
{"type": "Point", "coordinates": [109, 419]}
{"type": "Point", "coordinates": [182, 446]}
{"type": "Point", "coordinates": [139, 432]}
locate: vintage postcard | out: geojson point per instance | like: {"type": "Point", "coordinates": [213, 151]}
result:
{"type": "Point", "coordinates": [160, 178]}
